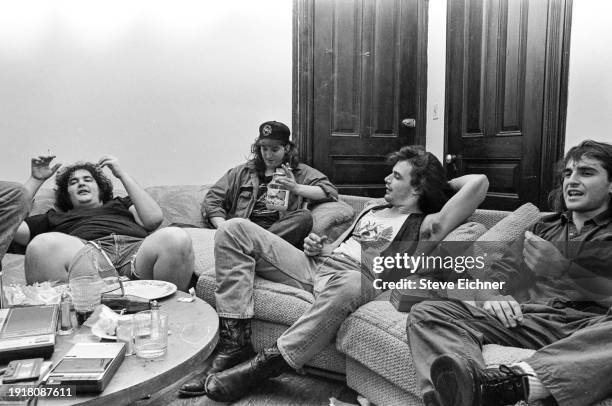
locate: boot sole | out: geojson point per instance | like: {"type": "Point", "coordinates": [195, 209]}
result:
{"type": "Point", "coordinates": [452, 380]}
{"type": "Point", "coordinates": [189, 394]}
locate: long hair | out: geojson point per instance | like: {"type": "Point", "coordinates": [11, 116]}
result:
{"type": "Point", "coordinates": [600, 151]}
{"type": "Point", "coordinates": [257, 162]}
{"type": "Point", "coordinates": [428, 177]}
{"type": "Point", "coordinates": [62, 198]}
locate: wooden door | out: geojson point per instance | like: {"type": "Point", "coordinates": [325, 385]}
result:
{"type": "Point", "coordinates": [506, 94]}
{"type": "Point", "coordinates": [363, 73]}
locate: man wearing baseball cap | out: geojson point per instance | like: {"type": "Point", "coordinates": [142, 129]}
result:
{"type": "Point", "coordinates": [241, 191]}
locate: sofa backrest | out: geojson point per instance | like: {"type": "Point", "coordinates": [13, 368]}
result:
{"type": "Point", "coordinates": [180, 203]}
{"type": "Point", "coordinates": [486, 217]}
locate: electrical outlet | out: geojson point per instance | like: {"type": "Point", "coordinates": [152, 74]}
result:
{"type": "Point", "coordinates": [436, 112]}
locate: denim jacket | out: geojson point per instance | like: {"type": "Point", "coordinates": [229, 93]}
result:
{"type": "Point", "coordinates": [234, 195]}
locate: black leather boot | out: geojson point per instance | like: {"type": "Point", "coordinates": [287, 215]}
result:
{"type": "Point", "coordinates": [460, 382]}
{"type": "Point", "coordinates": [234, 383]}
{"type": "Point", "coordinates": [233, 348]}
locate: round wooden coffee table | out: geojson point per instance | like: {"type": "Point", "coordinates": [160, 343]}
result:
{"type": "Point", "coordinates": [194, 333]}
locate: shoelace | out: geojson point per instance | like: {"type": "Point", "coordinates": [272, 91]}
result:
{"type": "Point", "coordinates": [503, 385]}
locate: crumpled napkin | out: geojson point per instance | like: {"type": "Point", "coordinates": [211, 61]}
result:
{"type": "Point", "coordinates": [103, 321]}
{"type": "Point", "coordinates": [43, 293]}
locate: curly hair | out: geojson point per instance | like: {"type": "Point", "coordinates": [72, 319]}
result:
{"type": "Point", "coordinates": [257, 162]}
{"type": "Point", "coordinates": [62, 198]}
{"type": "Point", "coordinates": [428, 177]}
{"type": "Point", "coordinates": [600, 151]}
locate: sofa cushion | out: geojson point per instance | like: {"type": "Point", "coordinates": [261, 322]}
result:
{"type": "Point", "coordinates": [43, 201]}
{"type": "Point", "coordinates": [488, 218]}
{"type": "Point", "coordinates": [181, 204]}
{"type": "Point", "coordinates": [277, 306]}
{"type": "Point", "coordinates": [331, 219]}
{"type": "Point", "coordinates": [466, 232]}
{"type": "Point", "coordinates": [496, 241]}
{"type": "Point", "coordinates": [202, 240]}
{"type": "Point", "coordinates": [274, 302]}
{"type": "Point", "coordinates": [375, 336]}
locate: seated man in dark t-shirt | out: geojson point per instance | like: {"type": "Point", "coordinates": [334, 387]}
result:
{"type": "Point", "coordinates": [117, 227]}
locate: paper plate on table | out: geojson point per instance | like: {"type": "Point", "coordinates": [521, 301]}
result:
{"type": "Point", "coordinates": [149, 289]}
{"type": "Point", "coordinates": [102, 334]}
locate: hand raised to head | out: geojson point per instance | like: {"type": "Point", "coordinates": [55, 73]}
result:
{"type": "Point", "coordinates": [40, 169]}
{"type": "Point", "coordinates": [111, 163]}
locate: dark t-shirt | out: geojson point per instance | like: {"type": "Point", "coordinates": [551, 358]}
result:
{"type": "Point", "coordinates": [261, 215]}
{"type": "Point", "coordinates": [89, 224]}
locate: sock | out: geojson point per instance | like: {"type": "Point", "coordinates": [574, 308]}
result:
{"type": "Point", "coordinates": [537, 390]}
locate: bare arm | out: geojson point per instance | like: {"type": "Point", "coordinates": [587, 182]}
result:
{"type": "Point", "coordinates": [471, 191]}
{"type": "Point", "coordinates": [311, 192]}
{"type": "Point", "coordinates": [145, 209]}
{"type": "Point", "coordinates": [40, 171]}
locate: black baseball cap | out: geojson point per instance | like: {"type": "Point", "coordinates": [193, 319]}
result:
{"type": "Point", "coordinates": [273, 130]}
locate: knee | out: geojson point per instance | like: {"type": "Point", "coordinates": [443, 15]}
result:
{"type": "Point", "coordinates": [350, 288]}
{"type": "Point", "coordinates": [14, 197]}
{"type": "Point", "coordinates": [45, 243]}
{"type": "Point", "coordinates": [426, 310]}
{"type": "Point", "coordinates": [304, 216]}
{"type": "Point", "coordinates": [232, 226]}
{"type": "Point", "coordinates": [174, 239]}
{"type": "Point", "coordinates": [304, 219]}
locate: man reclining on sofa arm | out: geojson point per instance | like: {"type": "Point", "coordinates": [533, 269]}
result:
{"type": "Point", "coordinates": [119, 227]}
{"type": "Point", "coordinates": [416, 197]}
{"type": "Point", "coordinates": [564, 312]}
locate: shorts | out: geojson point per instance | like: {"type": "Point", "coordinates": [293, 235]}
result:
{"type": "Point", "coordinates": [120, 251]}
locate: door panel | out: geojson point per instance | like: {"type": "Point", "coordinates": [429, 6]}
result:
{"type": "Point", "coordinates": [365, 82]}
{"type": "Point", "coordinates": [496, 81]}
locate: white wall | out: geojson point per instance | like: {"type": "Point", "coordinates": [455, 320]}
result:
{"type": "Point", "coordinates": [175, 88]}
{"type": "Point", "coordinates": [589, 109]}
{"type": "Point", "coordinates": [436, 71]}
{"type": "Point", "coordinates": [590, 82]}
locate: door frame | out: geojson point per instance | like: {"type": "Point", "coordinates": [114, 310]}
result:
{"type": "Point", "coordinates": [555, 93]}
{"type": "Point", "coordinates": [303, 76]}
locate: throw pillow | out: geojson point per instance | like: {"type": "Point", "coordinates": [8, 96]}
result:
{"type": "Point", "coordinates": [466, 232]}
{"type": "Point", "coordinates": [494, 242]}
{"type": "Point", "coordinates": [180, 203]}
{"type": "Point", "coordinates": [331, 219]}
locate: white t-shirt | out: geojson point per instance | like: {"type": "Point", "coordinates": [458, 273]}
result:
{"type": "Point", "coordinates": [372, 234]}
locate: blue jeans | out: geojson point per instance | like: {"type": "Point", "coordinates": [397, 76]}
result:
{"type": "Point", "coordinates": [573, 358]}
{"type": "Point", "coordinates": [119, 253]}
{"type": "Point", "coordinates": [294, 227]}
{"type": "Point", "coordinates": [243, 249]}
{"type": "Point", "coordinates": [14, 207]}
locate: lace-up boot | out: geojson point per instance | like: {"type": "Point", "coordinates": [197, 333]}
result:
{"type": "Point", "coordinates": [460, 382]}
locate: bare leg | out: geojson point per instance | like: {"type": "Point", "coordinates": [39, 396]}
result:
{"type": "Point", "coordinates": [166, 255]}
{"type": "Point", "coordinates": [48, 256]}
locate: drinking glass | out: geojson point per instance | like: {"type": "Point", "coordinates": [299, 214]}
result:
{"type": "Point", "coordinates": [86, 292]}
{"type": "Point", "coordinates": [150, 334]}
